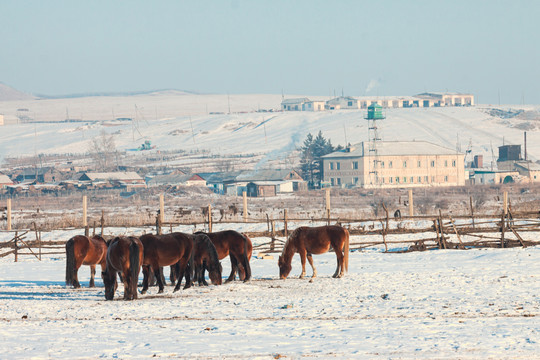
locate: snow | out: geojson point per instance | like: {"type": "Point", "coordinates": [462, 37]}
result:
{"type": "Point", "coordinates": [185, 122]}
{"type": "Point", "coordinates": [473, 304]}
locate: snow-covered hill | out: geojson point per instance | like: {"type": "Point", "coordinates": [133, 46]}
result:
{"type": "Point", "coordinates": [181, 121]}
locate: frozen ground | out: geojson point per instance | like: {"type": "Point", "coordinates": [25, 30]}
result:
{"type": "Point", "coordinates": [473, 304]}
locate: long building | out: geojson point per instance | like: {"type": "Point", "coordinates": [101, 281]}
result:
{"type": "Point", "coordinates": [394, 164]}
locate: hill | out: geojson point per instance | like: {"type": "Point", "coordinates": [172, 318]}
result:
{"type": "Point", "coordinates": [8, 93]}
{"type": "Point", "coordinates": [195, 123]}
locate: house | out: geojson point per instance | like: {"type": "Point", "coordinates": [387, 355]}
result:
{"type": "Point", "coordinates": [529, 170]}
{"type": "Point", "coordinates": [343, 102]}
{"type": "Point", "coordinates": [482, 177]}
{"type": "Point", "coordinates": [128, 179]}
{"type": "Point", "coordinates": [41, 175]}
{"type": "Point", "coordinates": [217, 181]}
{"type": "Point", "coordinates": [445, 99]}
{"type": "Point", "coordinates": [313, 105]}
{"type": "Point", "coordinates": [293, 104]}
{"type": "Point", "coordinates": [284, 180]}
{"type": "Point", "coordinates": [5, 181]}
{"type": "Point", "coordinates": [394, 164]}
{"type": "Point", "coordinates": [177, 179]}
{"type": "Point", "coordinates": [262, 189]}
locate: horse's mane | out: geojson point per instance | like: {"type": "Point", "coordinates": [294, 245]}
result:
{"type": "Point", "coordinates": [290, 239]}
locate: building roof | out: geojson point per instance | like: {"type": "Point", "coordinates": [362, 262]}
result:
{"type": "Point", "coordinates": [129, 175]}
{"type": "Point", "coordinates": [394, 148]}
{"type": "Point", "coordinates": [4, 179]}
{"type": "Point", "coordinates": [529, 166]}
{"type": "Point", "coordinates": [294, 101]}
{"type": "Point", "coordinates": [174, 179]}
{"type": "Point", "coordinates": [268, 175]}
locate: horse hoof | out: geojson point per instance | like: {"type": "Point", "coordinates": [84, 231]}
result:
{"type": "Point", "coordinates": [311, 280]}
{"type": "Point", "coordinates": [160, 291]}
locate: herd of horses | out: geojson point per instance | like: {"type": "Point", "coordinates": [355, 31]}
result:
{"type": "Point", "coordinates": [191, 255]}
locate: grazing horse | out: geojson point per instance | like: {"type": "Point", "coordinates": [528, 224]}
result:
{"type": "Point", "coordinates": [124, 256]}
{"type": "Point", "coordinates": [238, 246]}
{"type": "Point", "coordinates": [82, 250]}
{"type": "Point", "coordinates": [205, 257]}
{"type": "Point", "coordinates": [315, 240]}
{"type": "Point", "coordinates": [165, 250]}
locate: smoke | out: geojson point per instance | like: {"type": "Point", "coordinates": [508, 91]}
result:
{"type": "Point", "coordinates": [373, 83]}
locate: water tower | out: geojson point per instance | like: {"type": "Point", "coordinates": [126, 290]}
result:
{"type": "Point", "coordinates": [374, 114]}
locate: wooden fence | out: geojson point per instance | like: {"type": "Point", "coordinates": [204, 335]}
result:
{"type": "Point", "coordinates": [392, 234]}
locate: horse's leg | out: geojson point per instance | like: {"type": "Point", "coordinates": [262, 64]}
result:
{"type": "Point", "coordinates": [234, 266]}
{"type": "Point", "coordinates": [201, 274]}
{"type": "Point", "coordinates": [127, 283]}
{"type": "Point", "coordinates": [340, 264]}
{"type": "Point", "coordinates": [310, 260]}
{"type": "Point", "coordinates": [92, 275]}
{"type": "Point", "coordinates": [158, 273]}
{"type": "Point", "coordinates": [78, 264]}
{"type": "Point", "coordinates": [303, 254]}
{"type": "Point", "coordinates": [183, 270]}
{"type": "Point", "coordinates": [145, 271]}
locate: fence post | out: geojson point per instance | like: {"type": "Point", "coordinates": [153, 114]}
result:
{"type": "Point", "coordinates": [385, 229]}
{"type": "Point", "coordinates": [505, 203]}
{"type": "Point", "coordinates": [102, 221]}
{"type": "Point", "coordinates": [245, 211]}
{"type": "Point", "coordinates": [411, 205]}
{"type": "Point", "coordinates": [209, 218]}
{"type": "Point", "coordinates": [85, 215]}
{"type": "Point", "coordinates": [161, 208]}
{"type": "Point", "coordinates": [16, 246]}
{"type": "Point", "coordinates": [327, 206]}
{"type": "Point", "coordinates": [472, 211]}
{"type": "Point", "coordinates": [285, 230]}
{"type": "Point", "coordinates": [8, 214]}
{"type": "Point", "coordinates": [273, 243]}
{"type": "Point", "coordinates": [503, 224]}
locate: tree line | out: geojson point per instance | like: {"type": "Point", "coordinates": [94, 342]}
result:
{"type": "Point", "coordinates": [311, 164]}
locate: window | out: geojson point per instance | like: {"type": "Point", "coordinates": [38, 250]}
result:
{"type": "Point", "coordinates": [349, 103]}
{"type": "Point", "coordinates": [426, 179]}
{"type": "Point", "coordinates": [445, 163]}
{"type": "Point", "coordinates": [397, 179]}
{"type": "Point", "coordinates": [389, 164]}
{"type": "Point", "coordinates": [355, 180]}
{"type": "Point", "coordinates": [404, 179]}
{"type": "Point", "coordinates": [433, 179]}
{"type": "Point", "coordinates": [355, 165]}
{"type": "Point", "coordinates": [382, 180]}
{"type": "Point", "coordinates": [446, 179]}
{"type": "Point", "coordinates": [419, 179]}
{"type": "Point", "coordinates": [432, 163]}
{"type": "Point", "coordinates": [382, 164]}
{"type": "Point", "coordinates": [412, 179]}
{"type": "Point", "coordinates": [453, 163]}
{"type": "Point", "coordinates": [419, 163]}
{"type": "Point", "coordinates": [339, 181]}
{"type": "Point", "coordinates": [390, 179]}
{"type": "Point", "coordinates": [332, 181]}
{"type": "Point", "coordinates": [331, 166]}
{"type": "Point", "coordinates": [338, 166]}
{"type": "Point", "coordinates": [405, 164]}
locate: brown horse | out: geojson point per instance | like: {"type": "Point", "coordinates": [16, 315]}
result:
{"type": "Point", "coordinates": [205, 257]}
{"type": "Point", "coordinates": [165, 250]}
{"type": "Point", "coordinates": [124, 256]}
{"type": "Point", "coordinates": [315, 240]}
{"type": "Point", "coordinates": [239, 248]}
{"type": "Point", "coordinates": [82, 250]}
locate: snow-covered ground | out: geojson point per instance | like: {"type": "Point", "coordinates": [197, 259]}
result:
{"type": "Point", "coordinates": [474, 304]}
{"type": "Point", "coordinates": [185, 122]}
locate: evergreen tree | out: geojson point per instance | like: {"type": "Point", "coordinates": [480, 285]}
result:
{"type": "Point", "coordinates": [313, 150]}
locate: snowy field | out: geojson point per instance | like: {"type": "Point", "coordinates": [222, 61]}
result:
{"type": "Point", "coordinates": [473, 304]}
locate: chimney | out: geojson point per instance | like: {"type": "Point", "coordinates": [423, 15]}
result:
{"type": "Point", "coordinates": [525, 145]}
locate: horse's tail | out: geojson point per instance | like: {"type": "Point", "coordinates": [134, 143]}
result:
{"type": "Point", "coordinates": [134, 264]}
{"type": "Point", "coordinates": [70, 261]}
{"type": "Point", "coordinates": [346, 250]}
{"type": "Point", "coordinates": [246, 256]}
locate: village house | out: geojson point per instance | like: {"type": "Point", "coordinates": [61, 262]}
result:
{"type": "Point", "coordinates": [126, 180]}
{"type": "Point", "coordinates": [294, 104]}
{"type": "Point", "coordinates": [40, 175]}
{"type": "Point", "coordinates": [394, 164]}
{"type": "Point", "coordinates": [342, 102]}
{"type": "Point", "coordinates": [177, 179]}
{"type": "Point", "coordinates": [5, 181]}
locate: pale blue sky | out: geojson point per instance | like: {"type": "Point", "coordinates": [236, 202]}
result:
{"type": "Point", "coordinates": [489, 48]}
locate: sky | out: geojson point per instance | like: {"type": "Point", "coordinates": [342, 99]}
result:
{"type": "Point", "coordinates": [318, 48]}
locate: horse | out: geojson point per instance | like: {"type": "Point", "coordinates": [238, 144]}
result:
{"type": "Point", "coordinates": [205, 257]}
{"type": "Point", "coordinates": [315, 240]}
{"type": "Point", "coordinates": [165, 250]}
{"type": "Point", "coordinates": [83, 250]}
{"type": "Point", "coordinates": [239, 248]}
{"type": "Point", "coordinates": [124, 256]}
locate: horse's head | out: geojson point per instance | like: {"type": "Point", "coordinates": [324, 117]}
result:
{"type": "Point", "coordinates": [214, 273]}
{"type": "Point", "coordinates": [109, 280]}
{"type": "Point", "coordinates": [284, 267]}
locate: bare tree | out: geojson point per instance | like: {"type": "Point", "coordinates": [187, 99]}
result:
{"type": "Point", "coordinates": [103, 150]}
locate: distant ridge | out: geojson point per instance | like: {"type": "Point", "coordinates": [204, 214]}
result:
{"type": "Point", "coordinates": [119, 93]}
{"type": "Point", "coordinates": [8, 93]}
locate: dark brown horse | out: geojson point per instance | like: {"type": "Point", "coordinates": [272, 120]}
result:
{"type": "Point", "coordinates": [124, 256]}
{"type": "Point", "coordinates": [315, 240]}
{"type": "Point", "coordinates": [165, 250]}
{"type": "Point", "coordinates": [82, 250]}
{"type": "Point", "coordinates": [205, 257]}
{"type": "Point", "coordinates": [239, 248]}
